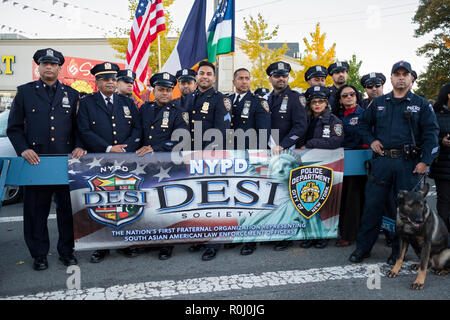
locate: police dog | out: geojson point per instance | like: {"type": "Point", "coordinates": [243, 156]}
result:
{"type": "Point", "coordinates": [419, 226]}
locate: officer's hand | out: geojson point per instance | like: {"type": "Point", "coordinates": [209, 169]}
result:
{"type": "Point", "coordinates": [144, 150]}
{"type": "Point", "coordinates": [118, 148]}
{"type": "Point", "coordinates": [31, 156]}
{"type": "Point", "coordinates": [377, 147]}
{"type": "Point", "coordinates": [276, 150]}
{"type": "Point", "coordinates": [446, 141]}
{"type": "Point", "coordinates": [421, 168]}
{"type": "Point", "coordinates": [77, 153]}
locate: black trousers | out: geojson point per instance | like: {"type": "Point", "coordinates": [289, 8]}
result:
{"type": "Point", "coordinates": [36, 208]}
{"type": "Point", "coordinates": [443, 200]}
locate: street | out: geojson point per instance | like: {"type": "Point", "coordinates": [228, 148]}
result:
{"type": "Point", "coordinates": [295, 274]}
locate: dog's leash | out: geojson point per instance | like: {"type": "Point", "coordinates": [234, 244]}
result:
{"type": "Point", "coordinates": [422, 179]}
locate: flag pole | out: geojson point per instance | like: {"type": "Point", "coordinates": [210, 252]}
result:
{"type": "Point", "coordinates": [159, 55]}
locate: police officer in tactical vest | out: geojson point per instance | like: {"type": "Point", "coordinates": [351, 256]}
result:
{"type": "Point", "coordinates": [42, 122]}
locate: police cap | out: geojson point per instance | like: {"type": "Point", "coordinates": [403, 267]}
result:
{"type": "Point", "coordinates": [279, 68]}
{"type": "Point", "coordinates": [337, 67]}
{"type": "Point", "coordinates": [373, 78]}
{"type": "Point", "coordinates": [105, 70]}
{"type": "Point", "coordinates": [317, 92]}
{"type": "Point", "coordinates": [316, 71]}
{"type": "Point", "coordinates": [48, 55]}
{"type": "Point", "coordinates": [401, 64]}
{"type": "Point", "coordinates": [186, 75]}
{"type": "Point", "coordinates": [262, 91]}
{"type": "Point", "coordinates": [163, 79]}
{"type": "Point", "coordinates": [126, 76]}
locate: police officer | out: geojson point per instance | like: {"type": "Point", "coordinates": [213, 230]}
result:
{"type": "Point", "coordinates": [314, 76]}
{"type": "Point", "coordinates": [373, 84]}
{"type": "Point", "coordinates": [42, 121]}
{"type": "Point", "coordinates": [208, 109]}
{"type": "Point", "coordinates": [288, 116]}
{"type": "Point", "coordinates": [108, 122]}
{"type": "Point", "coordinates": [125, 81]}
{"type": "Point", "coordinates": [262, 92]}
{"type": "Point", "coordinates": [159, 119]}
{"type": "Point", "coordinates": [401, 129]}
{"type": "Point", "coordinates": [187, 86]}
{"type": "Point", "coordinates": [339, 73]}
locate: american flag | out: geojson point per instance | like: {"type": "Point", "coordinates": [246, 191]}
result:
{"type": "Point", "coordinates": [149, 21]}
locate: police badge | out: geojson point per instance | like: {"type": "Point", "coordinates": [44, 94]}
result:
{"type": "Point", "coordinates": [126, 112]}
{"type": "Point", "coordinates": [205, 107]}
{"type": "Point", "coordinates": [326, 131]}
{"type": "Point", "coordinates": [309, 188]}
{"type": "Point", "coordinates": [165, 120]}
{"type": "Point", "coordinates": [246, 109]}
{"type": "Point", "coordinates": [283, 107]}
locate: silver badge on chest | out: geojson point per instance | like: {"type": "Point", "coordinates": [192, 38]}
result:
{"type": "Point", "coordinates": [326, 131]}
{"type": "Point", "coordinates": [246, 109]}
{"type": "Point", "coordinates": [284, 103]}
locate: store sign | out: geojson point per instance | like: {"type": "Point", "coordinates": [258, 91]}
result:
{"type": "Point", "coordinates": [8, 62]}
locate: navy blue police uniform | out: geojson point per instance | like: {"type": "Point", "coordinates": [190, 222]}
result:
{"type": "Point", "coordinates": [251, 112]}
{"type": "Point", "coordinates": [103, 124]}
{"type": "Point", "coordinates": [183, 75]}
{"type": "Point", "coordinates": [387, 120]}
{"type": "Point", "coordinates": [159, 121]}
{"type": "Point", "coordinates": [371, 79]}
{"type": "Point", "coordinates": [352, 137]}
{"type": "Point", "coordinates": [43, 118]}
{"type": "Point", "coordinates": [288, 115]}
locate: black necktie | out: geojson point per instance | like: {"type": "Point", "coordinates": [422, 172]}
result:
{"type": "Point", "coordinates": [50, 92]}
{"type": "Point", "coordinates": [109, 105]}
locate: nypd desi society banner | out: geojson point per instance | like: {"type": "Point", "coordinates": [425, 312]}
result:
{"type": "Point", "coordinates": [122, 200]}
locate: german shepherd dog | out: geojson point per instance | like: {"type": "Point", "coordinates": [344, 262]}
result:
{"type": "Point", "coordinates": [419, 226]}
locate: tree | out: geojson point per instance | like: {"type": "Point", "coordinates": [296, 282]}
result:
{"type": "Point", "coordinates": [120, 42]}
{"type": "Point", "coordinates": [260, 56]}
{"type": "Point", "coordinates": [315, 54]}
{"type": "Point", "coordinates": [354, 77]}
{"type": "Point", "coordinates": [433, 16]}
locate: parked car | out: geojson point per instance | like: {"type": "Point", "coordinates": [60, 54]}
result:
{"type": "Point", "coordinates": [13, 194]}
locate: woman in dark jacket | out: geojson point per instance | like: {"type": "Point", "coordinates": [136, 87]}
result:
{"type": "Point", "coordinates": [325, 131]}
{"type": "Point", "coordinates": [440, 168]}
{"type": "Point", "coordinates": [352, 198]}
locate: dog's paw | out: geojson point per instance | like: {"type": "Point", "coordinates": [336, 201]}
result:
{"type": "Point", "coordinates": [415, 266]}
{"type": "Point", "coordinates": [440, 272]}
{"type": "Point", "coordinates": [391, 274]}
{"type": "Point", "coordinates": [417, 286]}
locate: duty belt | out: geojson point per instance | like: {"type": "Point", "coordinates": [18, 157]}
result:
{"type": "Point", "coordinates": [393, 153]}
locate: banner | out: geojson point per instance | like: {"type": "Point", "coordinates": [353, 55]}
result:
{"type": "Point", "coordinates": [122, 200]}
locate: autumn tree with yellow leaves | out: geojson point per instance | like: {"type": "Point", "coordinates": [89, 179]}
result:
{"type": "Point", "coordinates": [315, 54]}
{"type": "Point", "coordinates": [260, 55]}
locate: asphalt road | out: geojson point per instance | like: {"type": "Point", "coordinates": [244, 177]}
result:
{"type": "Point", "coordinates": [295, 274]}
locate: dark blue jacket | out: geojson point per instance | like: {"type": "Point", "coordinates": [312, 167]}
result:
{"type": "Point", "coordinates": [252, 112]}
{"type": "Point", "coordinates": [180, 104]}
{"type": "Point", "coordinates": [352, 138]}
{"type": "Point", "coordinates": [100, 129]}
{"type": "Point", "coordinates": [385, 121]}
{"type": "Point", "coordinates": [158, 132]}
{"type": "Point", "coordinates": [288, 116]}
{"type": "Point", "coordinates": [47, 127]}
{"type": "Point", "coordinates": [327, 132]}
{"type": "Point", "coordinates": [440, 169]}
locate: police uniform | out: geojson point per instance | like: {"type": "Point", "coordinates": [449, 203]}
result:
{"type": "Point", "coordinates": [287, 112]}
{"type": "Point", "coordinates": [181, 76]}
{"type": "Point", "coordinates": [387, 120]}
{"type": "Point", "coordinates": [158, 122]}
{"type": "Point", "coordinates": [373, 78]}
{"type": "Point", "coordinates": [251, 112]}
{"type": "Point", "coordinates": [43, 118]}
{"type": "Point", "coordinates": [102, 126]}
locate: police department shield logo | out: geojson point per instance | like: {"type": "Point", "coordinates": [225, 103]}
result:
{"type": "Point", "coordinates": [309, 188]}
{"type": "Point", "coordinates": [115, 200]}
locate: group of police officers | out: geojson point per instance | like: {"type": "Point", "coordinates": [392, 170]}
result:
{"type": "Point", "coordinates": [47, 118]}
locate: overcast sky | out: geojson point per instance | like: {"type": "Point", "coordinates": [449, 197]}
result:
{"type": "Point", "coordinates": [380, 33]}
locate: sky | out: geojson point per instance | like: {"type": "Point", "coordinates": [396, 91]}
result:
{"type": "Point", "coordinates": [379, 33]}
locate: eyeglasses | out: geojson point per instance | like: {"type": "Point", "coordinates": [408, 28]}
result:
{"type": "Point", "coordinates": [318, 101]}
{"type": "Point", "coordinates": [370, 86]}
{"type": "Point", "coordinates": [351, 94]}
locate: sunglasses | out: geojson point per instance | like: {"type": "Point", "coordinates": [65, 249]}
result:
{"type": "Point", "coordinates": [370, 86]}
{"type": "Point", "coordinates": [351, 94]}
{"type": "Point", "coordinates": [319, 101]}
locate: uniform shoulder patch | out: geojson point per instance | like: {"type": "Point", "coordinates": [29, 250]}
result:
{"type": "Point", "coordinates": [338, 129]}
{"type": "Point", "coordinates": [227, 103]}
{"type": "Point", "coordinates": [185, 116]}
{"type": "Point", "coordinates": [265, 105]}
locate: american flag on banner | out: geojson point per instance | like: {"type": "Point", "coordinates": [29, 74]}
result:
{"type": "Point", "coordinates": [149, 21]}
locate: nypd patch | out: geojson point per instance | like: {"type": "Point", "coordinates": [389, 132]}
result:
{"type": "Point", "coordinates": [185, 116]}
{"type": "Point", "coordinates": [265, 105]}
{"type": "Point", "coordinates": [227, 104]}
{"type": "Point", "coordinates": [338, 129]}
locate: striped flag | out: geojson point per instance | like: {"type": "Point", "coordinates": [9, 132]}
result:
{"type": "Point", "coordinates": [148, 22]}
{"type": "Point", "coordinates": [220, 32]}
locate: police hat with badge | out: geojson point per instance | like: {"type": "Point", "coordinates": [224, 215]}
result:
{"type": "Point", "coordinates": [262, 92]}
{"type": "Point", "coordinates": [48, 55]}
{"type": "Point", "coordinates": [317, 92]}
{"type": "Point", "coordinates": [163, 79]}
{"type": "Point", "coordinates": [316, 71]}
{"type": "Point", "coordinates": [338, 67]}
{"type": "Point", "coordinates": [105, 70]}
{"type": "Point", "coordinates": [279, 68]}
{"type": "Point", "coordinates": [126, 76]}
{"type": "Point", "coordinates": [186, 75]}
{"type": "Point", "coordinates": [373, 78]}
